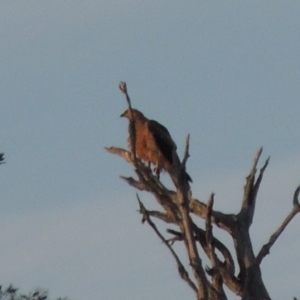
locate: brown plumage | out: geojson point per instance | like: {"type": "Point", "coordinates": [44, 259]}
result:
{"type": "Point", "coordinates": [153, 142]}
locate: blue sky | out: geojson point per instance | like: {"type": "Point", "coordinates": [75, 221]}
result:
{"type": "Point", "coordinates": [226, 72]}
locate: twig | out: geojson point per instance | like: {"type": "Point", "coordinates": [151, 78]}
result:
{"type": "Point", "coordinates": [260, 177]}
{"type": "Point", "coordinates": [167, 218]}
{"type": "Point", "coordinates": [250, 191]}
{"type": "Point", "coordinates": [132, 129]}
{"type": "Point", "coordinates": [209, 235]}
{"type": "Point", "coordinates": [123, 88]}
{"type": "Point", "coordinates": [265, 250]}
{"type": "Point", "coordinates": [186, 152]}
{"type": "Point", "coordinates": [177, 236]}
{"type": "Point", "coordinates": [250, 181]}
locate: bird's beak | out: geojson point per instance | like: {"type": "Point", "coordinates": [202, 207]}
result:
{"type": "Point", "coordinates": [122, 115]}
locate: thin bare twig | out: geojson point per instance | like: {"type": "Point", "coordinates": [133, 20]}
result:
{"type": "Point", "coordinates": [186, 152]}
{"type": "Point", "coordinates": [177, 236]}
{"type": "Point", "coordinates": [166, 217]}
{"type": "Point", "coordinates": [265, 250]}
{"type": "Point", "coordinates": [250, 181]}
{"type": "Point", "coordinates": [123, 88]}
{"type": "Point", "coordinates": [132, 136]}
{"type": "Point", "coordinates": [260, 177]}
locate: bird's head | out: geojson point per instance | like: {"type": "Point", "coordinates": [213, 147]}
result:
{"type": "Point", "coordinates": [137, 115]}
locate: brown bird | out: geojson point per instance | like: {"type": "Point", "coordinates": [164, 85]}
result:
{"type": "Point", "coordinates": [153, 142]}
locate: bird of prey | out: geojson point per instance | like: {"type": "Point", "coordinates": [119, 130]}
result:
{"type": "Point", "coordinates": [153, 142]}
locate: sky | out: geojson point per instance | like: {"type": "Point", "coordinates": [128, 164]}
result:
{"type": "Point", "coordinates": [226, 72]}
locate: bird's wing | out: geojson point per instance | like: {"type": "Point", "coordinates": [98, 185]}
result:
{"type": "Point", "coordinates": [162, 139]}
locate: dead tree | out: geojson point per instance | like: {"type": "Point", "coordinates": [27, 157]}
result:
{"type": "Point", "coordinates": [180, 208]}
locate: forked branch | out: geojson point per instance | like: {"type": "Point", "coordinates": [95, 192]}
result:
{"type": "Point", "coordinates": [251, 189]}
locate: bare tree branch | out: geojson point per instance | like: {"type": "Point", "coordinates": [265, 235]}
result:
{"type": "Point", "coordinates": [189, 240]}
{"type": "Point", "coordinates": [121, 152]}
{"type": "Point", "coordinates": [186, 152]}
{"type": "Point", "coordinates": [265, 250]}
{"type": "Point", "coordinates": [217, 281]}
{"type": "Point", "coordinates": [224, 221]}
{"type": "Point", "coordinates": [227, 267]}
{"type": "Point", "coordinates": [177, 236]}
{"type": "Point", "coordinates": [200, 236]}
{"type": "Point", "coordinates": [123, 88]}
{"type": "Point", "coordinates": [167, 218]}
{"type": "Point", "coordinates": [132, 129]}
{"type": "Point", "coordinates": [260, 177]}
{"type": "Point", "coordinates": [144, 173]}
{"type": "Point", "coordinates": [252, 200]}
{"type": "Point", "coordinates": [251, 189]}
{"type": "Point", "coordinates": [136, 184]}
{"type": "Point", "coordinates": [182, 271]}
{"type": "Point", "coordinates": [209, 234]}
{"type": "Point", "coordinates": [250, 181]}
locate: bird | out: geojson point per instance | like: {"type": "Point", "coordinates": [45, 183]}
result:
{"type": "Point", "coordinates": [153, 142]}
